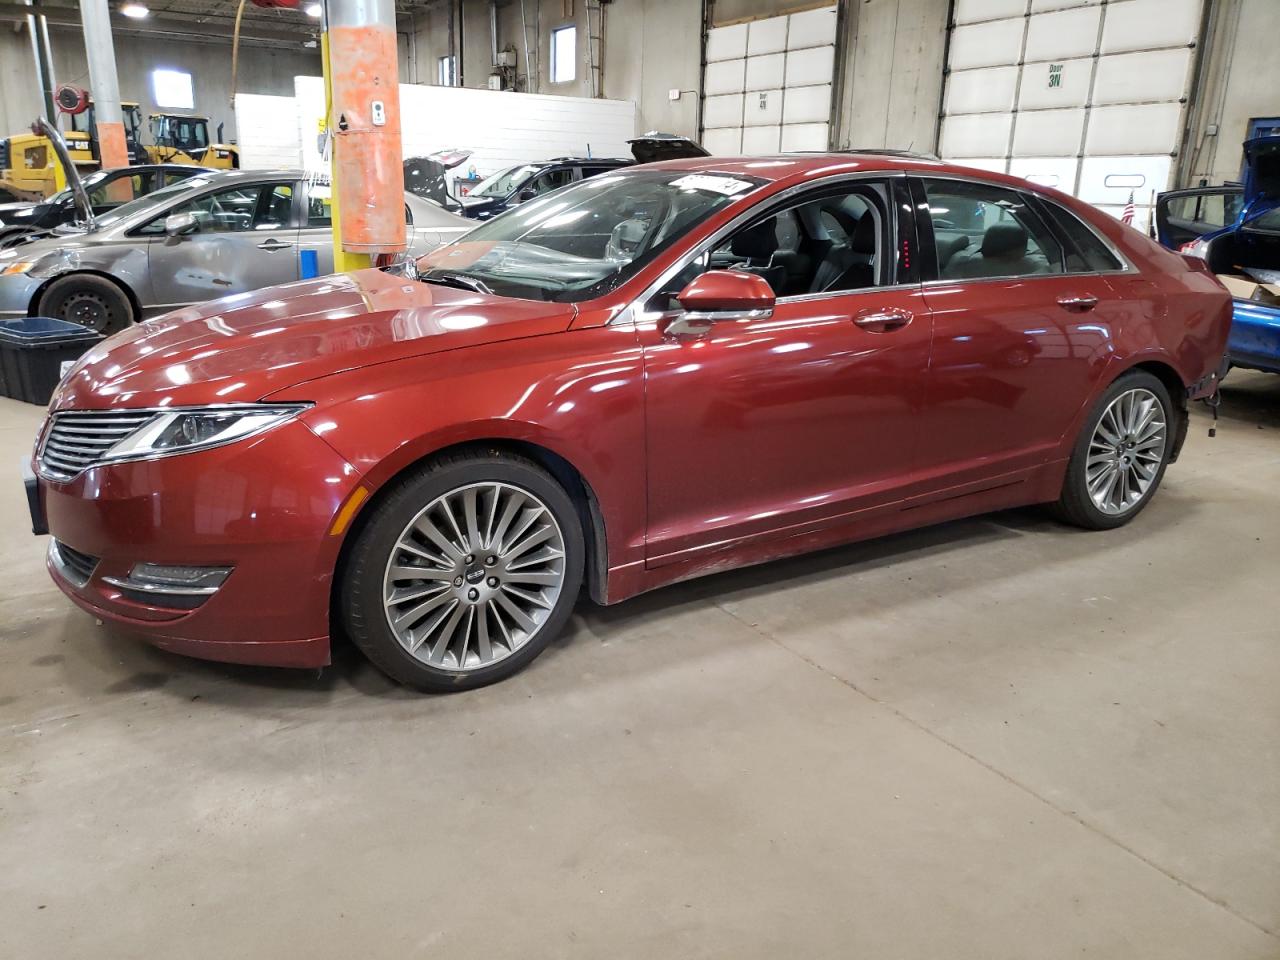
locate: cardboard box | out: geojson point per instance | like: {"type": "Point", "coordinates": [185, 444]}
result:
{"type": "Point", "coordinates": [1243, 288]}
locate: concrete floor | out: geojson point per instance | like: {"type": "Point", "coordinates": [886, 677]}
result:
{"type": "Point", "coordinates": [997, 738]}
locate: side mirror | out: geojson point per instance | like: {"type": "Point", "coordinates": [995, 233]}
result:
{"type": "Point", "coordinates": [726, 295]}
{"type": "Point", "coordinates": [181, 224]}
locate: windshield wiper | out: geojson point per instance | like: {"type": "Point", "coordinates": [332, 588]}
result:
{"type": "Point", "coordinates": [460, 280]}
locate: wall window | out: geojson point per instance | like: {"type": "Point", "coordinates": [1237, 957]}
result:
{"type": "Point", "coordinates": [564, 54]}
{"type": "Point", "coordinates": [447, 71]}
{"type": "Point", "coordinates": [172, 89]}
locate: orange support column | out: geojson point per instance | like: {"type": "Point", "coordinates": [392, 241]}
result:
{"type": "Point", "coordinates": [103, 82]}
{"type": "Point", "coordinates": [364, 84]}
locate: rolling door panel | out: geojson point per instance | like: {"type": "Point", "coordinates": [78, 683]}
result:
{"type": "Point", "coordinates": [994, 44]}
{"type": "Point", "coordinates": [983, 91]}
{"type": "Point", "coordinates": [1048, 133]}
{"type": "Point", "coordinates": [768, 84]}
{"type": "Point", "coordinates": [1063, 34]}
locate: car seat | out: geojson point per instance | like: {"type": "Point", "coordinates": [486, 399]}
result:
{"type": "Point", "coordinates": [1003, 254]}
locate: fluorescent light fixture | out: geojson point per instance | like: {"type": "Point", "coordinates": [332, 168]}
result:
{"type": "Point", "coordinates": [135, 11]}
{"type": "Point", "coordinates": [314, 10]}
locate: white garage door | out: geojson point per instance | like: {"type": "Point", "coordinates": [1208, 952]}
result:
{"type": "Point", "coordinates": [767, 84]}
{"type": "Point", "coordinates": [1081, 95]}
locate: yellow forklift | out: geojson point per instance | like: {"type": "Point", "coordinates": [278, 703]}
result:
{"type": "Point", "coordinates": [180, 139]}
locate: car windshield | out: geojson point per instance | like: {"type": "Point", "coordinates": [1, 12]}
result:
{"type": "Point", "coordinates": [584, 240]}
{"type": "Point", "coordinates": [150, 201]}
{"type": "Point", "coordinates": [502, 184]}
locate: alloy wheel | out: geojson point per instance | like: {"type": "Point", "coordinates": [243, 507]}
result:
{"type": "Point", "coordinates": [1126, 451]}
{"type": "Point", "coordinates": [474, 576]}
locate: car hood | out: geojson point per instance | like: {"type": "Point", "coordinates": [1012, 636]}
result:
{"type": "Point", "coordinates": [245, 347]}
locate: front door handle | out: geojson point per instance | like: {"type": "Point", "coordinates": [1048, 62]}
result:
{"type": "Point", "coordinates": [883, 321]}
{"type": "Point", "coordinates": [274, 244]}
{"type": "Point", "coordinates": [1078, 304]}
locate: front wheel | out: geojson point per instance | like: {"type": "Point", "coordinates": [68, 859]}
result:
{"type": "Point", "coordinates": [1121, 454]}
{"type": "Point", "coordinates": [464, 572]}
{"type": "Point", "coordinates": [89, 300]}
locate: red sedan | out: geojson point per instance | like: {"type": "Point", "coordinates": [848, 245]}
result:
{"type": "Point", "coordinates": [658, 373]}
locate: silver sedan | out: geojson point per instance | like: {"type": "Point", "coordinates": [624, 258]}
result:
{"type": "Point", "coordinates": [207, 237]}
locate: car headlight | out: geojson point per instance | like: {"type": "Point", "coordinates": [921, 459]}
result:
{"type": "Point", "coordinates": [18, 266]}
{"type": "Point", "coordinates": [198, 428]}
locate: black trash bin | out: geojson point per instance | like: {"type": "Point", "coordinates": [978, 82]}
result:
{"type": "Point", "coordinates": [32, 352]}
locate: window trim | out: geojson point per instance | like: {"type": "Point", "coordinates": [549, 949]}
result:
{"type": "Point", "coordinates": [635, 313]}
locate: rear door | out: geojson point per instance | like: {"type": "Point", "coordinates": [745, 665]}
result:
{"type": "Point", "coordinates": [1186, 215]}
{"type": "Point", "coordinates": [245, 241]}
{"type": "Point", "coordinates": [1022, 322]}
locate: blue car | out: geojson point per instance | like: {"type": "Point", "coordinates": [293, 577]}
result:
{"type": "Point", "coordinates": [1236, 229]}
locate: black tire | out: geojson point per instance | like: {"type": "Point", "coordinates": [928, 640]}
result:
{"type": "Point", "coordinates": [1075, 505]}
{"type": "Point", "coordinates": [361, 591]}
{"type": "Point", "coordinates": [91, 301]}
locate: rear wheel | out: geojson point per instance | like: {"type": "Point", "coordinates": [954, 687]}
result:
{"type": "Point", "coordinates": [91, 301]}
{"type": "Point", "coordinates": [1120, 457]}
{"type": "Point", "coordinates": [464, 573]}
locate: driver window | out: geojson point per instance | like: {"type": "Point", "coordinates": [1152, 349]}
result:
{"type": "Point", "coordinates": [551, 180]}
{"type": "Point", "coordinates": [234, 210]}
{"type": "Point", "coordinates": [829, 244]}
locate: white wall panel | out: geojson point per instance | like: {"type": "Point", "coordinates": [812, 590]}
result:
{"type": "Point", "coordinates": [1063, 34]}
{"type": "Point", "coordinates": [725, 111]}
{"type": "Point", "coordinates": [1041, 6]}
{"type": "Point", "coordinates": [813, 28]}
{"type": "Point", "coordinates": [723, 141]}
{"type": "Point", "coordinates": [815, 65]}
{"type": "Point", "coordinates": [1152, 75]}
{"type": "Point", "coordinates": [761, 141]}
{"type": "Point", "coordinates": [969, 11]}
{"type": "Point", "coordinates": [1141, 128]}
{"type": "Point", "coordinates": [1072, 89]}
{"type": "Point", "coordinates": [501, 128]}
{"type": "Point", "coordinates": [1056, 172]}
{"type": "Point", "coordinates": [986, 44]}
{"type": "Point", "coordinates": [268, 132]}
{"type": "Point", "coordinates": [763, 108]}
{"type": "Point", "coordinates": [724, 76]}
{"type": "Point", "coordinates": [1110, 179]}
{"type": "Point", "coordinates": [976, 135]}
{"type": "Point", "coordinates": [1048, 133]}
{"type": "Point", "coordinates": [807, 105]}
{"type": "Point", "coordinates": [727, 43]}
{"type": "Point", "coordinates": [982, 91]}
{"type": "Point", "coordinates": [805, 136]}
{"type": "Point", "coordinates": [767, 36]}
{"type": "Point", "coordinates": [765, 72]}
{"type": "Point", "coordinates": [1144, 24]}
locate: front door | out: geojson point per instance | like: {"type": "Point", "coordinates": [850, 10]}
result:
{"type": "Point", "coordinates": [244, 240]}
{"type": "Point", "coordinates": [760, 426]}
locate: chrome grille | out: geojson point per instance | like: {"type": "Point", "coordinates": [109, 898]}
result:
{"type": "Point", "coordinates": [76, 440]}
{"type": "Point", "coordinates": [75, 566]}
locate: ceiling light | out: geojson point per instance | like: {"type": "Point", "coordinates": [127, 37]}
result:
{"type": "Point", "coordinates": [314, 10]}
{"type": "Point", "coordinates": [135, 11]}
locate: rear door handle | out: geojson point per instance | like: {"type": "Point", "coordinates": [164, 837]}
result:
{"type": "Point", "coordinates": [274, 244]}
{"type": "Point", "coordinates": [883, 321]}
{"type": "Point", "coordinates": [1078, 304]}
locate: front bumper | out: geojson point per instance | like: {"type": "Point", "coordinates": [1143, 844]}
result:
{"type": "Point", "coordinates": [263, 507]}
{"type": "Point", "coordinates": [16, 293]}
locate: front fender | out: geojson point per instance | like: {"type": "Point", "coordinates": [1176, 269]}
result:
{"type": "Point", "coordinates": [578, 394]}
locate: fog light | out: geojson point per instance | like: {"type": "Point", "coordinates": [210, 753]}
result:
{"type": "Point", "coordinates": [204, 579]}
{"type": "Point", "coordinates": [168, 585]}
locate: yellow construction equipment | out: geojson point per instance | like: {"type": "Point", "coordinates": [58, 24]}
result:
{"type": "Point", "coordinates": [180, 139]}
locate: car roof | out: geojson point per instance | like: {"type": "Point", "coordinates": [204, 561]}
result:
{"type": "Point", "coordinates": [804, 166]}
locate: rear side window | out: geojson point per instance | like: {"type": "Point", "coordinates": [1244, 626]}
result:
{"type": "Point", "coordinates": [982, 231]}
{"type": "Point", "coordinates": [1090, 254]}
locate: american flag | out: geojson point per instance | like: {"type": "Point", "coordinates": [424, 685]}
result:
{"type": "Point", "coordinates": [1129, 211]}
